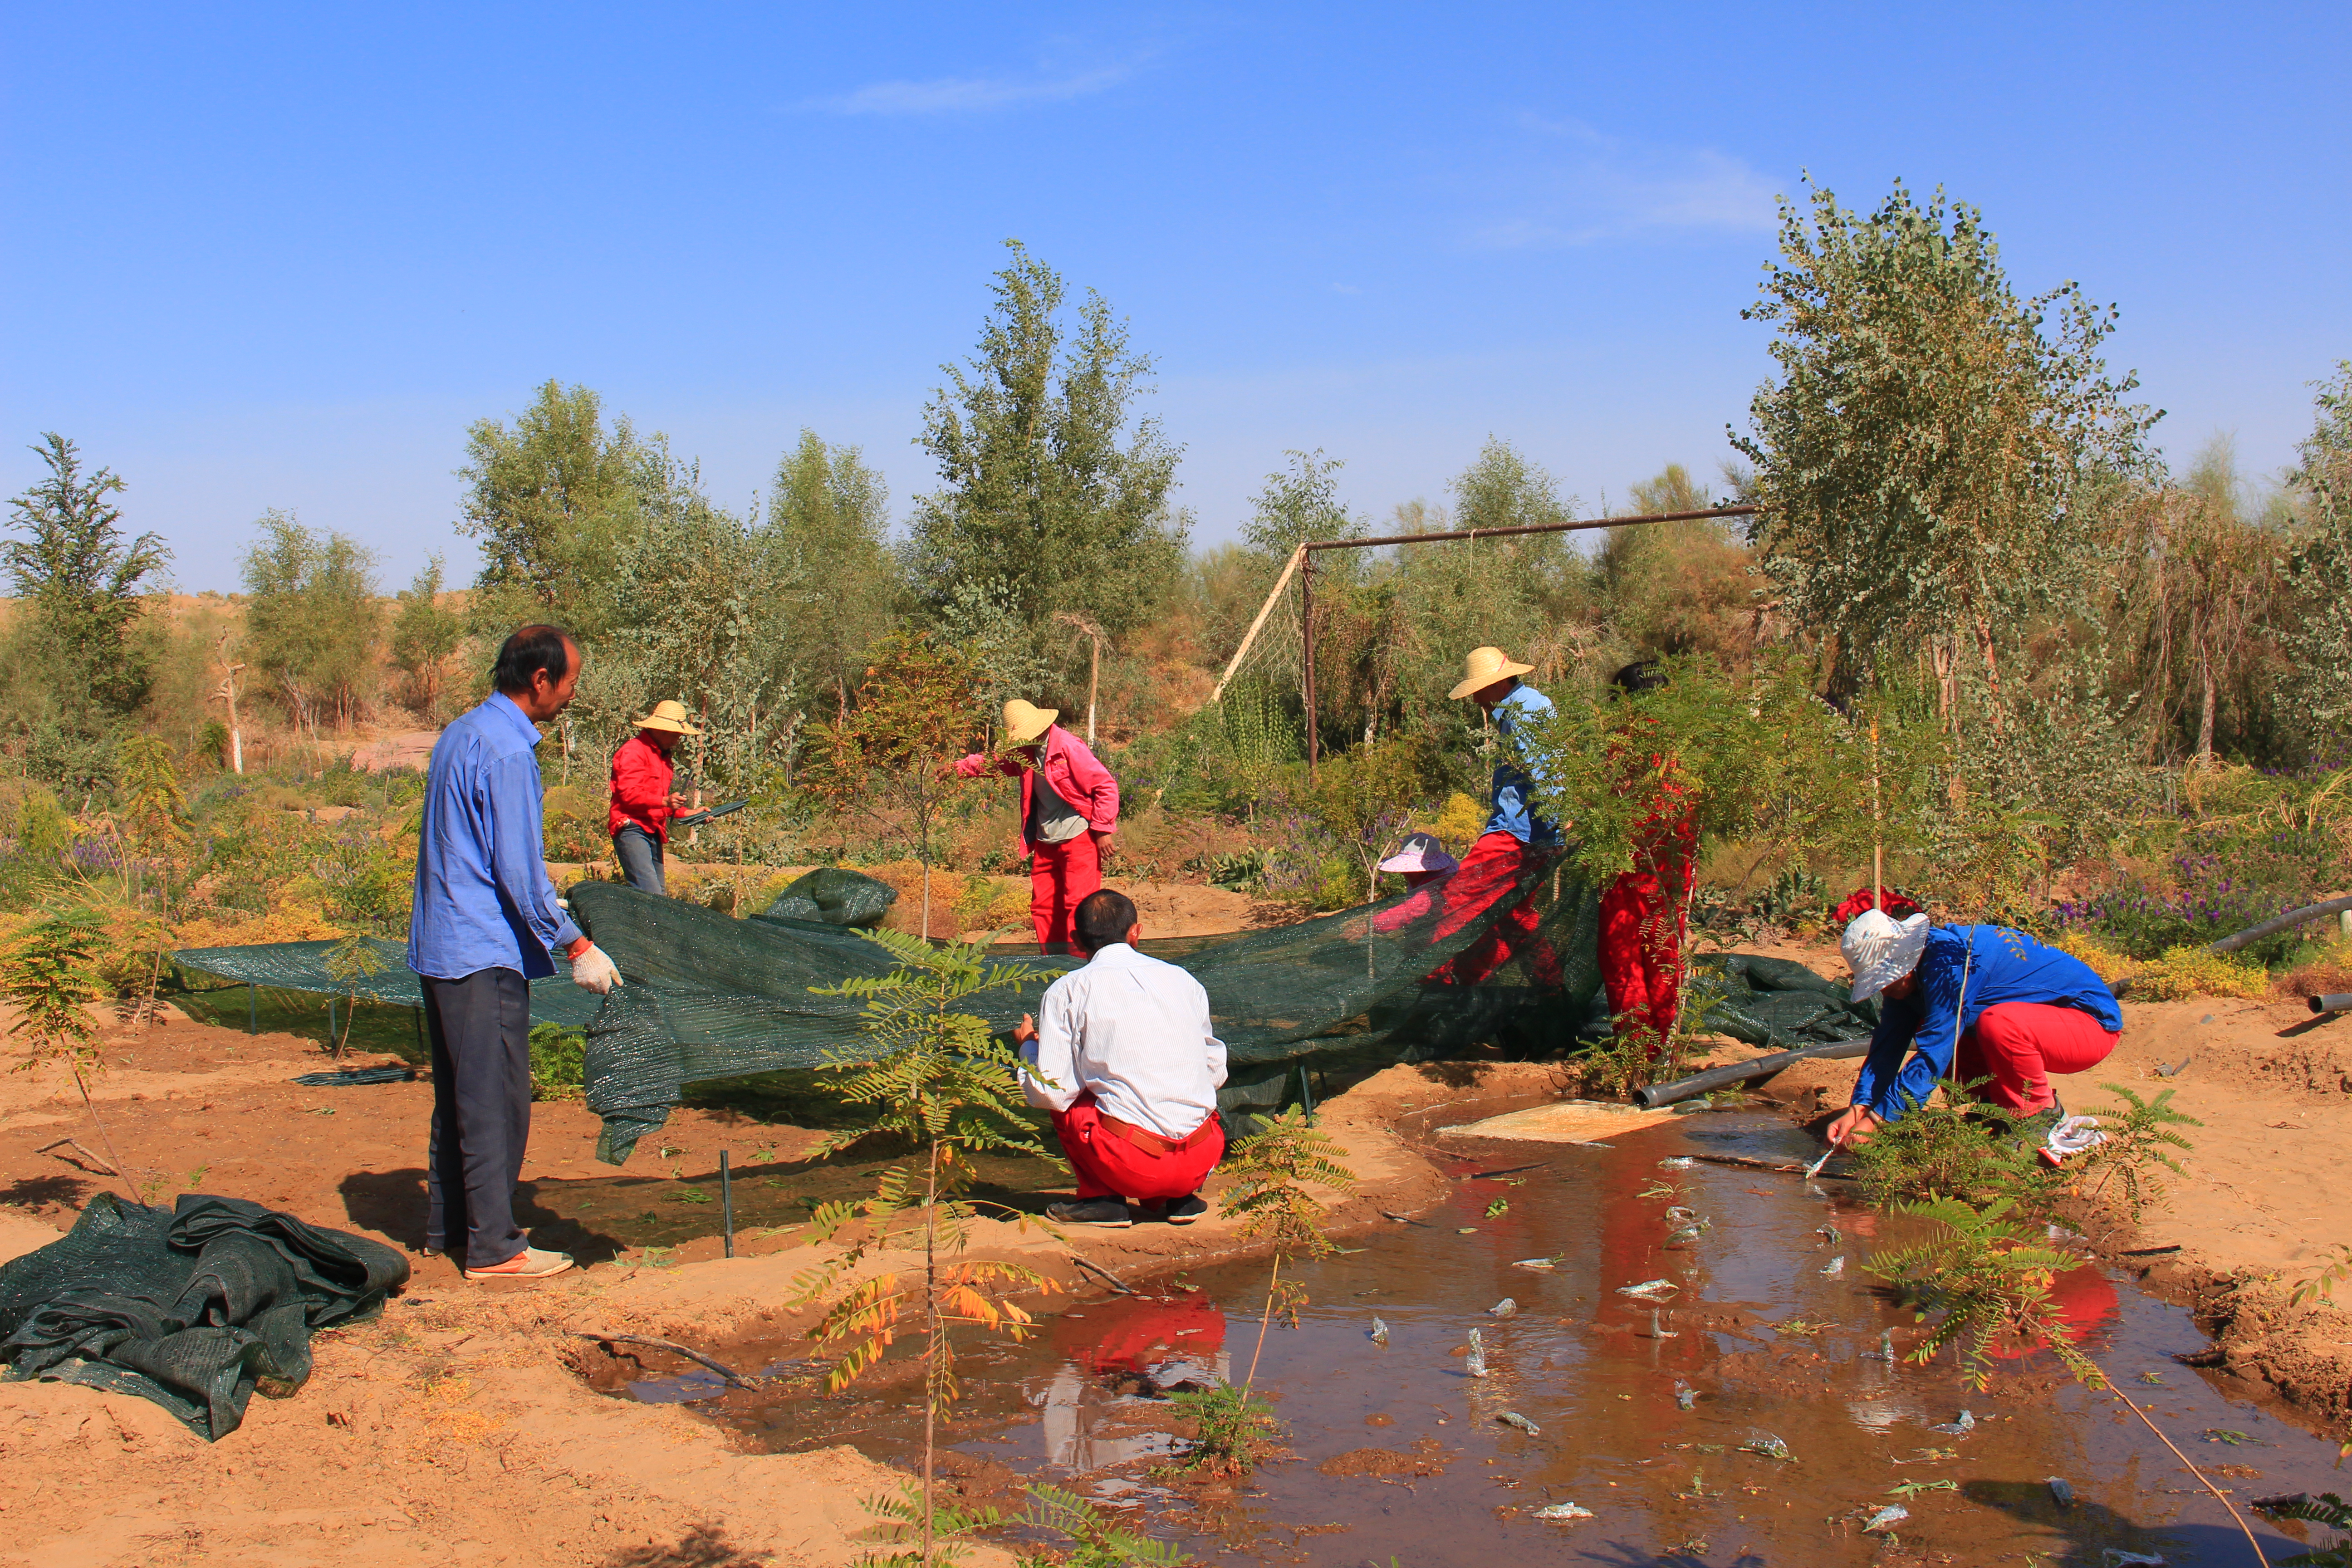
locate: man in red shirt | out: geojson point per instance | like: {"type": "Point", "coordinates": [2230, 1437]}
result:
{"type": "Point", "coordinates": [1069, 809]}
{"type": "Point", "coordinates": [643, 802]}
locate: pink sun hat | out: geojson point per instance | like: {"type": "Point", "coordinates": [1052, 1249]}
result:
{"type": "Point", "coordinates": [1420, 852]}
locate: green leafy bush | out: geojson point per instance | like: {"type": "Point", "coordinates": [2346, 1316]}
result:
{"type": "Point", "coordinates": [558, 1062]}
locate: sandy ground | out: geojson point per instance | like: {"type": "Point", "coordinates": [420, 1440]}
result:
{"type": "Point", "coordinates": [461, 1427]}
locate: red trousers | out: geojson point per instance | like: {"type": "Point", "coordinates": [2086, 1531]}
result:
{"type": "Point", "coordinates": [1485, 878]}
{"type": "Point", "coordinates": [1642, 919]}
{"type": "Point", "coordinates": [1108, 1166]}
{"type": "Point", "coordinates": [2018, 1045]}
{"type": "Point", "coordinates": [1059, 876]}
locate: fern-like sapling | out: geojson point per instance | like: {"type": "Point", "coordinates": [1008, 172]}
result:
{"type": "Point", "coordinates": [939, 1078]}
{"type": "Point", "coordinates": [2139, 1136]}
{"type": "Point", "coordinates": [50, 975]}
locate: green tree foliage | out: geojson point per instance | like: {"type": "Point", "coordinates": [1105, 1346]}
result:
{"type": "Point", "coordinates": [312, 620]}
{"type": "Point", "coordinates": [551, 497]}
{"type": "Point", "coordinates": [1678, 587]}
{"type": "Point", "coordinates": [1922, 454]}
{"type": "Point", "coordinates": [77, 665]}
{"type": "Point", "coordinates": [2319, 641]}
{"type": "Point", "coordinates": [829, 515]}
{"type": "Point", "coordinates": [425, 635]}
{"type": "Point", "coordinates": [48, 978]}
{"type": "Point", "coordinates": [1051, 492]}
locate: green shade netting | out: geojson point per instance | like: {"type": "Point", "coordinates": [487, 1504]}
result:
{"type": "Point", "coordinates": [710, 997]}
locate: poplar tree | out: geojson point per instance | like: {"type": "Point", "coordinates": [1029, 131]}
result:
{"type": "Point", "coordinates": [1922, 456]}
{"type": "Point", "coordinates": [1053, 494]}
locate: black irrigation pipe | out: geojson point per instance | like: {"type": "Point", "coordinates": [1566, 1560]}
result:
{"type": "Point", "coordinates": [1658, 1094]}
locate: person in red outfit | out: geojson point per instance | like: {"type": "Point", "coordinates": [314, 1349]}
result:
{"type": "Point", "coordinates": [1514, 837]}
{"type": "Point", "coordinates": [1069, 809]}
{"type": "Point", "coordinates": [1644, 912]}
{"type": "Point", "coordinates": [643, 801]}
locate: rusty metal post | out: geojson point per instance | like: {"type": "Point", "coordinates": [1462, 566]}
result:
{"type": "Point", "coordinates": [1307, 636]}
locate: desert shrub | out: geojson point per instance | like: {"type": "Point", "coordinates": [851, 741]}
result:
{"type": "Point", "coordinates": [2326, 970]}
{"type": "Point", "coordinates": [2222, 877]}
{"type": "Point", "coordinates": [2193, 972]}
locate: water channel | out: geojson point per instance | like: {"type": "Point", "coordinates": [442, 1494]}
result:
{"type": "Point", "coordinates": [1660, 1419]}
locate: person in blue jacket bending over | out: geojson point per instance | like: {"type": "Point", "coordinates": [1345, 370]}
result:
{"type": "Point", "coordinates": [1970, 1002]}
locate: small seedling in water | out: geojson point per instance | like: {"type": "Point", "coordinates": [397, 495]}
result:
{"type": "Point", "coordinates": [2154, 1379]}
{"type": "Point", "coordinates": [692, 1195]}
{"type": "Point", "coordinates": [1912, 1489]}
{"type": "Point", "coordinates": [2224, 1435]}
{"type": "Point", "coordinates": [1657, 1190]}
{"type": "Point", "coordinates": [1771, 1448]}
{"type": "Point", "coordinates": [1498, 1208]}
{"type": "Point", "coordinates": [1698, 1487]}
{"type": "Point", "coordinates": [1928, 1457]}
{"type": "Point", "coordinates": [1885, 1350]}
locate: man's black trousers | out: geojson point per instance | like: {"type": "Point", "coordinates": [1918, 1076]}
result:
{"type": "Point", "coordinates": [480, 1030]}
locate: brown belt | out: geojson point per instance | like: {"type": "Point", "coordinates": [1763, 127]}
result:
{"type": "Point", "coordinates": [1151, 1142]}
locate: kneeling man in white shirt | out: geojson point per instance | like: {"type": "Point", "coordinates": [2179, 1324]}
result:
{"type": "Point", "coordinates": [1123, 1055]}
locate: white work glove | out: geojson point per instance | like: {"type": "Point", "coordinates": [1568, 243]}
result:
{"type": "Point", "coordinates": [592, 971]}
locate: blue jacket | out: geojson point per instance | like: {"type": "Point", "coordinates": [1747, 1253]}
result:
{"type": "Point", "coordinates": [483, 899]}
{"type": "Point", "coordinates": [1512, 813]}
{"type": "Point", "coordinates": [2002, 965]}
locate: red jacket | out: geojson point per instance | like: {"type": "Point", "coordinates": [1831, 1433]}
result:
{"type": "Point", "coordinates": [1073, 770]}
{"type": "Point", "coordinates": [641, 776]}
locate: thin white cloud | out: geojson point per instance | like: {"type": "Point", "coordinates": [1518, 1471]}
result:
{"type": "Point", "coordinates": [1574, 185]}
{"type": "Point", "coordinates": [965, 95]}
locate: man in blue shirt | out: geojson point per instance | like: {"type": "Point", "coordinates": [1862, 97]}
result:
{"type": "Point", "coordinates": [481, 930]}
{"type": "Point", "coordinates": [1970, 1002]}
{"type": "Point", "coordinates": [1514, 837]}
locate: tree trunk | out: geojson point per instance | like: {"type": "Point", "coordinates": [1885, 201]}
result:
{"type": "Point", "coordinates": [2205, 716]}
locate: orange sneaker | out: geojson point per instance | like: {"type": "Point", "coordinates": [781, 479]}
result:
{"type": "Point", "coordinates": [531, 1263]}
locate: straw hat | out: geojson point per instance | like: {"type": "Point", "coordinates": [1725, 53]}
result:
{"type": "Point", "coordinates": [1024, 722]}
{"type": "Point", "coordinates": [669, 716]}
{"type": "Point", "coordinates": [1484, 666]}
{"type": "Point", "coordinates": [1880, 950]}
{"type": "Point", "coordinates": [1420, 852]}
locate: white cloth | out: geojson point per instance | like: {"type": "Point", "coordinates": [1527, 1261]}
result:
{"type": "Point", "coordinates": [1881, 951]}
{"type": "Point", "coordinates": [1135, 1033]}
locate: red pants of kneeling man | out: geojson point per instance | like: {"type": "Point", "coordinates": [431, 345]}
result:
{"type": "Point", "coordinates": [2018, 1045]}
{"type": "Point", "coordinates": [1059, 876]}
{"type": "Point", "coordinates": [1110, 1166]}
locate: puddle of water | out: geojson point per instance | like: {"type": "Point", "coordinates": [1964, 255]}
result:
{"type": "Point", "coordinates": [1659, 1417]}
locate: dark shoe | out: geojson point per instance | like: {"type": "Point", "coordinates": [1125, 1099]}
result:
{"type": "Point", "coordinates": [1110, 1213]}
{"type": "Point", "coordinates": [1184, 1211]}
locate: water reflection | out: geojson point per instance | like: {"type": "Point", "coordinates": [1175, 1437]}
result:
{"type": "Point", "coordinates": [1089, 1424]}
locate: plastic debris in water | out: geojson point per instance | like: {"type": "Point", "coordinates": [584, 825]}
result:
{"type": "Point", "coordinates": [1836, 1267]}
{"type": "Point", "coordinates": [1885, 1350]}
{"type": "Point", "coordinates": [2116, 1559]}
{"type": "Point", "coordinates": [1476, 1365]}
{"type": "Point", "coordinates": [1887, 1518]}
{"type": "Point", "coordinates": [1503, 1309]}
{"type": "Point", "coordinates": [1682, 1215]}
{"type": "Point", "coordinates": [1687, 1233]}
{"type": "Point", "coordinates": [1563, 1510]}
{"type": "Point", "coordinates": [1678, 1163]}
{"type": "Point", "coordinates": [1513, 1418]}
{"type": "Point", "coordinates": [1379, 1331]}
{"type": "Point", "coordinates": [1966, 1423]}
{"type": "Point", "coordinates": [1686, 1395]}
{"type": "Point", "coordinates": [2059, 1492]}
{"type": "Point", "coordinates": [1650, 1289]}
{"type": "Point", "coordinates": [1540, 1263]}
{"type": "Point", "coordinates": [1467, 1230]}
{"type": "Point", "coordinates": [1659, 1332]}
{"type": "Point", "coordinates": [1771, 1446]}
{"type": "Point", "coordinates": [1831, 1233]}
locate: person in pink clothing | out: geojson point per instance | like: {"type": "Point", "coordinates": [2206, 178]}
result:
{"type": "Point", "coordinates": [1069, 809]}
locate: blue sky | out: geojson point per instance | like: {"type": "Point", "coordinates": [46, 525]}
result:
{"type": "Point", "coordinates": [281, 256]}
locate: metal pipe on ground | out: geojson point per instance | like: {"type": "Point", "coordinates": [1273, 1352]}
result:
{"type": "Point", "coordinates": [2331, 1002]}
{"type": "Point", "coordinates": [1657, 1094]}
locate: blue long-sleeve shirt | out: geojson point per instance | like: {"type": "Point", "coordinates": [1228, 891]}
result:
{"type": "Point", "coordinates": [483, 899]}
{"type": "Point", "coordinates": [2002, 965]}
{"type": "Point", "coordinates": [1512, 813]}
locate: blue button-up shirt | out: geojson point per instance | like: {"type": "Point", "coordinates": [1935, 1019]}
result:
{"type": "Point", "coordinates": [483, 899]}
{"type": "Point", "coordinates": [1512, 813]}
{"type": "Point", "coordinates": [2000, 965]}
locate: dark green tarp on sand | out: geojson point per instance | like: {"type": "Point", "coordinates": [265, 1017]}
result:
{"type": "Point", "coordinates": [193, 1307]}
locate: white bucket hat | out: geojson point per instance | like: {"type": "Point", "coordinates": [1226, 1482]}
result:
{"type": "Point", "coordinates": [1420, 852]}
{"type": "Point", "coordinates": [1881, 951]}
